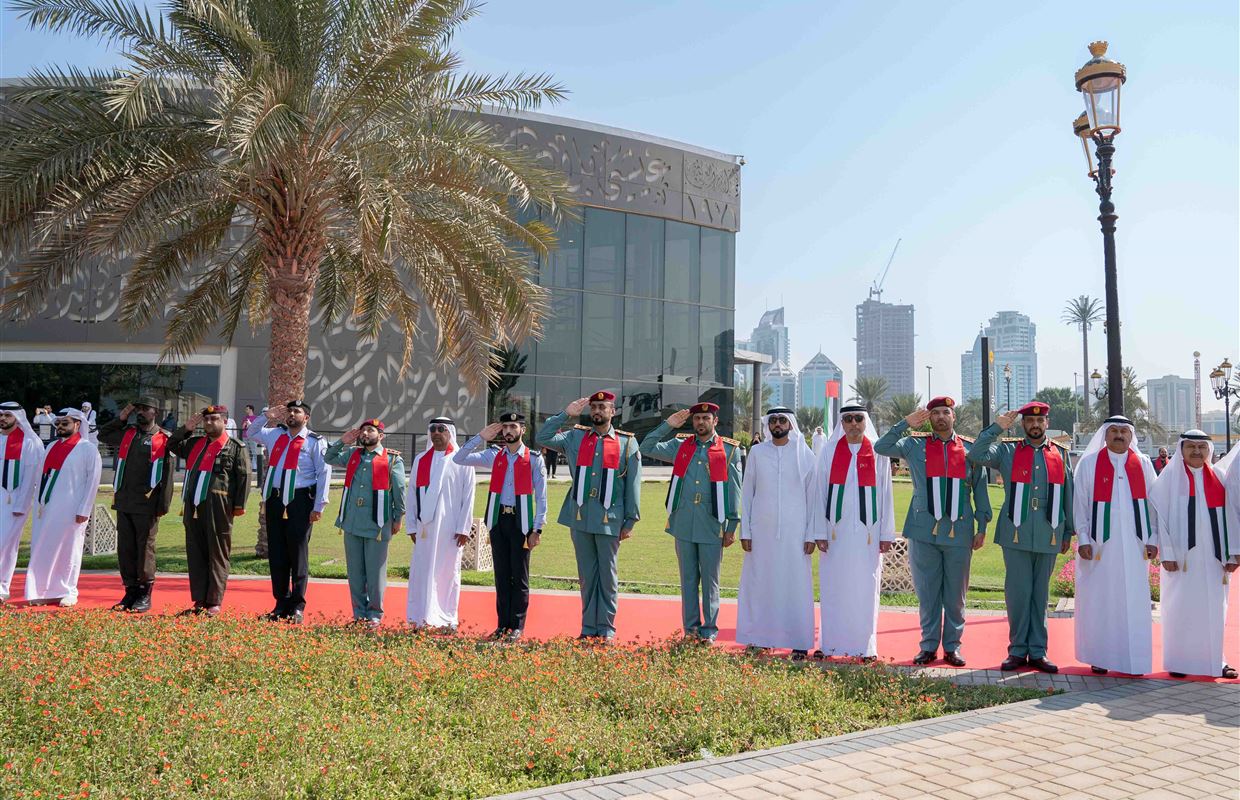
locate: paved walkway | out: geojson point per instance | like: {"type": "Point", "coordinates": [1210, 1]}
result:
{"type": "Point", "coordinates": [1147, 739]}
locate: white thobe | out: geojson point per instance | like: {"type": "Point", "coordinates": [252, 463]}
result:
{"type": "Point", "coordinates": [850, 572]}
{"type": "Point", "coordinates": [1113, 620]}
{"type": "Point", "coordinates": [775, 606]}
{"type": "Point", "coordinates": [57, 537]}
{"type": "Point", "coordinates": [435, 564]}
{"type": "Point", "coordinates": [15, 506]}
{"type": "Point", "coordinates": [1194, 598]}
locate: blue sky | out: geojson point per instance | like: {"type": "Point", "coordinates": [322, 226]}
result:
{"type": "Point", "coordinates": [946, 125]}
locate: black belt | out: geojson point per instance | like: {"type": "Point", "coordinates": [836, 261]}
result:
{"type": "Point", "coordinates": [275, 491]}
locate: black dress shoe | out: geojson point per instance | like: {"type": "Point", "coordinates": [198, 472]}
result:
{"type": "Point", "coordinates": [799, 655]}
{"type": "Point", "coordinates": [274, 614]}
{"type": "Point", "coordinates": [1178, 674]}
{"type": "Point", "coordinates": [126, 602]}
{"type": "Point", "coordinates": [1099, 670]}
{"type": "Point", "coordinates": [1013, 663]}
{"type": "Point", "coordinates": [295, 618]}
{"type": "Point", "coordinates": [1042, 665]}
{"type": "Point", "coordinates": [924, 657]}
{"type": "Point", "coordinates": [954, 658]}
{"type": "Point", "coordinates": [1229, 672]}
{"type": "Point", "coordinates": [818, 655]}
{"type": "Point", "coordinates": [142, 603]}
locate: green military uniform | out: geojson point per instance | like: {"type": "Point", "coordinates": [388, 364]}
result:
{"type": "Point", "coordinates": [696, 529]}
{"type": "Point", "coordinates": [1029, 551]}
{"type": "Point", "coordinates": [596, 530]}
{"type": "Point", "coordinates": [208, 527]}
{"type": "Point", "coordinates": [365, 541]}
{"type": "Point", "coordinates": [940, 551]}
{"type": "Point", "coordinates": [138, 506]}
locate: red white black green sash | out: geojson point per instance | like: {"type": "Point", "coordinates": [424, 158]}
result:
{"type": "Point", "coordinates": [1104, 484]}
{"type": "Point", "coordinates": [198, 470]}
{"type": "Point", "coordinates": [52, 465]}
{"type": "Point", "coordinates": [11, 469]}
{"type": "Point", "coordinates": [155, 470]}
{"type": "Point", "coordinates": [422, 480]}
{"type": "Point", "coordinates": [867, 482]}
{"type": "Point", "coordinates": [946, 469]}
{"type": "Point", "coordinates": [286, 468]}
{"type": "Point", "coordinates": [585, 460]}
{"type": "Point", "coordinates": [717, 461]}
{"type": "Point", "coordinates": [1022, 480]}
{"type": "Point", "coordinates": [522, 486]}
{"type": "Point", "coordinates": [1216, 497]}
{"type": "Point", "coordinates": [380, 487]}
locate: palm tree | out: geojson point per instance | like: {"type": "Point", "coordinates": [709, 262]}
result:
{"type": "Point", "coordinates": [969, 417]}
{"type": "Point", "coordinates": [869, 392]}
{"type": "Point", "coordinates": [742, 403]}
{"type": "Point", "coordinates": [1135, 407]}
{"type": "Point", "coordinates": [274, 153]}
{"type": "Point", "coordinates": [1083, 311]}
{"type": "Point", "coordinates": [899, 407]}
{"type": "Point", "coordinates": [809, 418]}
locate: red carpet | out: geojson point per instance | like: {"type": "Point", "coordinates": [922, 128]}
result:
{"type": "Point", "coordinates": [639, 618]}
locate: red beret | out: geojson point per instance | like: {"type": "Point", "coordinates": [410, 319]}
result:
{"type": "Point", "coordinates": [221, 410]}
{"type": "Point", "coordinates": [374, 423]}
{"type": "Point", "coordinates": [1035, 409]}
{"type": "Point", "coordinates": [943, 401]}
{"type": "Point", "coordinates": [704, 408]}
{"type": "Point", "coordinates": [599, 397]}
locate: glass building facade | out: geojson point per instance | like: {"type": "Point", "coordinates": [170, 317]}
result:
{"type": "Point", "coordinates": [640, 306]}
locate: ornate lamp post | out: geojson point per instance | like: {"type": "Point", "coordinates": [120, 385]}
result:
{"type": "Point", "coordinates": [1099, 82]}
{"type": "Point", "coordinates": [1007, 376]}
{"type": "Point", "coordinates": [1220, 381]}
{"type": "Point", "coordinates": [1095, 385]}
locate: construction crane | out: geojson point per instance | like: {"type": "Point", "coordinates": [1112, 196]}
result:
{"type": "Point", "coordinates": [876, 288]}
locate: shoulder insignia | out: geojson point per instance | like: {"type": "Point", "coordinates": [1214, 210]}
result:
{"type": "Point", "coordinates": [1012, 439]}
{"type": "Point", "coordinates": [683, 435]}
{"type": "Point", "coordinates": [1062, 445]}
{"type": "Point", "coordinates": [392, 452]}
{"type": "Point", "coordinates": [581, 427]}
{"type": "Point", "coordinates": [732, 442]}
{"type": "Point", "coordinates": [919, 434]}
{"type": "Point", "coordinates": [623, 433]}
{"type": "Point", "coordinates": [969, 439]}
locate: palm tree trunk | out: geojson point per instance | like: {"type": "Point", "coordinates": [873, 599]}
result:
{"type": "Point", "coordinates": [1084, 374]}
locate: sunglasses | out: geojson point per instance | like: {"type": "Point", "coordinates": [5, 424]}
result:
{"type": "Point", "coordinates": [438, 429]}
{"type": "Point", "coordinates": [779, 420]}
{"type": "Point", "coordinates": [852, 418]}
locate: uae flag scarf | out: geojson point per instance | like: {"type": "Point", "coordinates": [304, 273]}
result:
{"type": "Point", "coordinates": [11, 470]}
{"type": "Point", "coordinates": [945, 478]}
{"type": "Point", "coordinates": [585, 460]}
{"type": "Point", "coordinates": [198, 470]}
{"type": "Point", "coordinates": [288, 447]}
{"type": "Point", "coordinates": [423, 473]}
{"type": "Point", "coordinates": [522, 486]}
{"type": "Point", "coordinates": [1104, 484]}
{"type": "Point", "coordinates": [52, 464]}
{"type": "Point", "coordinates": [380, 487]}
{"type": "Point", "coordinates": [1215, 498]}
{"type": "Point", "coordinates": [867, 483]}
{"type": "Point", "coordinates": [717, 461]}
{"type": "Point", "coordinates": [1022, 490]}
{"type": "Point", "coordinates": [155, 469]}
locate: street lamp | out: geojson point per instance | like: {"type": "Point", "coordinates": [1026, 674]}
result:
{"type": "Point", "coordinates": [1099, 81]}
{"type": "Point", "coordinates": [928, 394]}
{"type": "Point", "coordinates": [1095, 385]}
{"type": "Point", "coordinates": [1007, 376]}
{"type": "Point", "coordinates": [1220, 382]}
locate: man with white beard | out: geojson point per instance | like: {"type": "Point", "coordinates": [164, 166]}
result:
{"type": "Point", "coordinates": [853, 525]}
{"type": "Point", "coordinates": [1197, 559]}
{"type": "Point", "coordinates": [775, 607]}
{"type": "Point", "coordinates": [21, 452]}
{"type": "Point", "coordinates": [1114, 624]}
{"type": "Point", "coordinates": [67, 488]}
{"type": "Point", "coordinates": [439, 509]}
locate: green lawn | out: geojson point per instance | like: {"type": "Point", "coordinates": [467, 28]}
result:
{"type": "Point", "coordinates": [647, 560]}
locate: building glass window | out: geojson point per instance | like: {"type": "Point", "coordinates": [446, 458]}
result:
{"type": "Point", "coordinates": [559, 352]}
{"type": "Point", "coordinates": [643, 339]}
{"type": "Point", "coordinates": [680, 342]}
{"type": "Point", "coordinates": [553, 396]}
{"type": "Point", "coordinates": [602, 332]}
{"type": "Point", "coordinates": [716, 346]}
{"type": "Point", "coordinates": [512, 393]}
{"type": "Point", "coordinates": [718, 267]}
{"type": "Point", "coordinates": [604, 252]}
{"type": "Point", "coordinates": [643, 243]}
{"type": "Point", "coordinates": [682, 265]}
{"type": "Point", "coordinates": [563, 267]}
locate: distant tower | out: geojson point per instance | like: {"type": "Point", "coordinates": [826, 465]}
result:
{"type": "Point", "coordinates": [1197, 388]}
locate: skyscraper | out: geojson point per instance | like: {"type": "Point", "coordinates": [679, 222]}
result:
{"type": "Point", "coordinates": [885, 344]}
{"type": "Point", "coordinates": [771, 336]}
{"type": "Point", "coordinates": [1013, 340]}
{"type": "Point", "coordinates": [783, 383]}
{"type": "Point", "coordinates": [812, 380]}
{"type": "Point", "coordinates": [1171, 402]}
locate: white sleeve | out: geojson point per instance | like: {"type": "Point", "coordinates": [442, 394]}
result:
{"type": "Point", "coordinates": [816, 529]}
{"type": "Point", "coordinates": [1082, 498]}
{"type": "Point", "coordinates": [32, 469]}
{"type": "Point", "coordinates": [465, 511]}
{"type": "Point", "coordinates": [411, 497]}
{"type": "Point", "coordinates": [93, 469]}
{"type": "Point", "coordinates": [1147, 467]}
{"type": "Point", "coordinates": [748, 489]}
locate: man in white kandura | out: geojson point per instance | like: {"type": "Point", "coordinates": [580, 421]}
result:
{"type": "Point", "coordinates": [68, 484]}
{"type": "Point", "coordinates": [439, 510]}
{"type": "Point", "coordinates": [854, 524]}
{"type": "Point", "coordinates": [21, 453]}
{"type": "Point", "coordinates": [775, 607]}
{"type": "Point", "coordinates": [1114, 623]}
{"type": "Point", "coordinates": [1197, 559]}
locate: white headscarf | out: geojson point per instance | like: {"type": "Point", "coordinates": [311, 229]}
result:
{"type": "Point", "coordinates": [882, 464]}
{"type": "Point", "coordinates": [425, 512]}
{"type": "Point", "coordinates": [1223, 467]}
{"type": "Point", "coordinates": [1169, 497]}
{"type": "Point", "coordinates": [16, 410]}
{"type": "Point", "coordinates": [73, 413]}
{"type": "Point", "coordinates": [796, 440]}
{"type": "Point", "coordinates": [837, 432]}
{"type": "Point", "coordinates": [1099, 440]}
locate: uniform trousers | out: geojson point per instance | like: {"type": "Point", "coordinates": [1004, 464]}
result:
{"type": "Point", "coordinates": [1026, 585]}
{"type": "Point", "coordinates": [208, 549]}
{"type": "Point", "coordinates": [699, 566]}
{"type": "Point", "coordinates": [288, 549]}
{"type": "Point", "coordinates": [511, 561]}
{"type": "Point", "coordinates": [941, 579]}
{"type": "Point", "coordinates": [600, 583]}
{"type": "Point", "coordinates": [365, 559]}
{"type": "Point", "coordinates": [135, 547]}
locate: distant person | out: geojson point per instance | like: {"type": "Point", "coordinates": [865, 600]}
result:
{"type": "Point", "coordinates": [90, 428]}
{"type": "Point", "coordinates": [1160, 463]}
{"type": "Point", "coordinates": [551, 459]}
{"type": "Point", "coordinates": [250, 445]}
{"type": "Point", "coordinates": [170, 422]}
{"type": "Point", "coordinates": [42, 422]}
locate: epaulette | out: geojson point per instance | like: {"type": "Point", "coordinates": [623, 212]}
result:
{"type": "Point", "coordinates": [1012, 439]}
{"type": "Point", "coordinates": [684, 435]}
{"type": "Point", "coordinates": [919, 434]}
{"type": "Point", "coordinates": [732, 442]}
{"type": "Point", "coordinates": [622, 433]}
{"type": "Point", "coordinates": [583, 427]}
{"type": "Point", "coordinates": [969, 439]}
{"type": "Point", "coordinates": [314, 435]}
{"type": "Point", "coordinates": [1061, 445]}
{"type": "Point", "coordinates": [393, 452]}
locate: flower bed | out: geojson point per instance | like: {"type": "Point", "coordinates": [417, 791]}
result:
{"type": "Point", "coordinates": [101, 705]}
{"type": "Point", "coordinates": [1064, 582]}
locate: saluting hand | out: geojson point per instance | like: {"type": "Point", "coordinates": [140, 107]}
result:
{"type": "Point", "coordinates": [193, 422]}
{"type": "Point", "coordinates": [1005, 420]}
{"type": "Point", "coordinates": [679, 418]}
{"type": "Point", "coordinates": [918, 418]}
{"type": "Point", "coordinates": [577, 406]}
{"type": "Point", "coordinates": [125, 412]}
{"type": "Point", "coordinates": [276, 414]}
{"type": "Point", "coordinates": [491, 431]}
{"type": "Point", "coordinates": [349, 437]}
